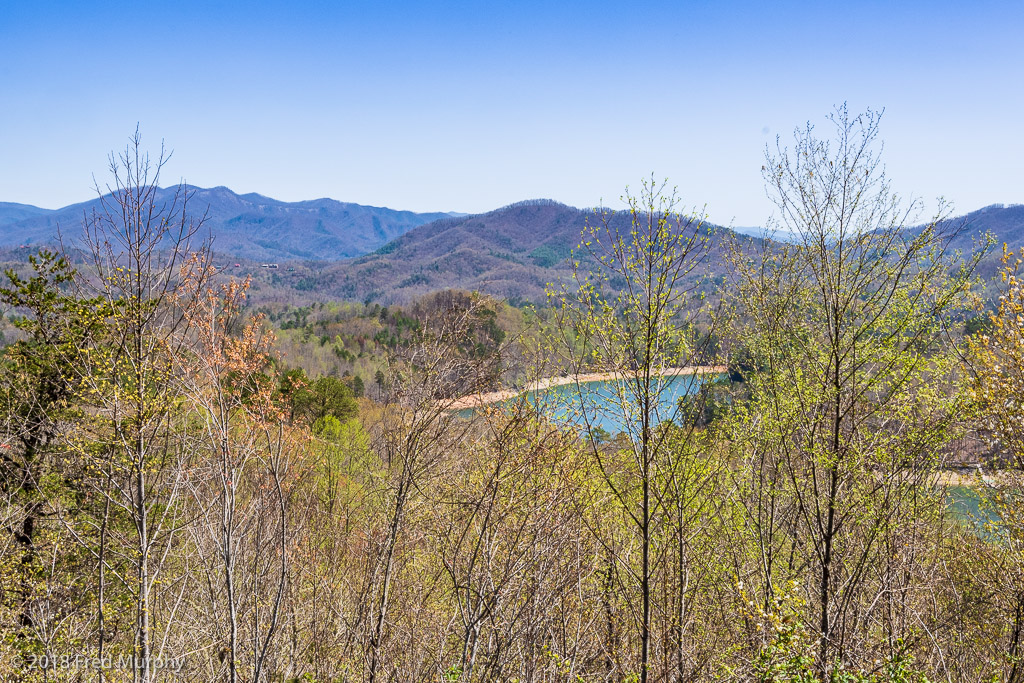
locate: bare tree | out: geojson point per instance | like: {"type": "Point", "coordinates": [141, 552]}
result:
{"type": "Point", "coordinates": [855, 390]}
{"type": "Point", "coordinates": [236, 475]}
{"type": "Point", "coordinates": [416, 432]}
{"type": "Point", "coordinates": [635, 315]}
{"type": "Point", "coordinates": [512, 546]}
{"type": "Point", "coordinates": [139, 244]}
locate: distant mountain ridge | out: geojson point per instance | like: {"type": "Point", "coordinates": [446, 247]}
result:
{"type": "Point", "coordinates": [512, 252]}
{"type": "Point", "coordinates": [244, 226]}
{"type": "Point", "coordinates": [12, 213]}
{"type": "Point", "coordinates": [348, 251]}
{"type": "Point", "coordinates": [1004, 221]}
{"type": "Point", "coordinates": [515, 251]}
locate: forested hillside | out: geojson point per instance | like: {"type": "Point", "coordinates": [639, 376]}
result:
{"type": "Point", "coordinates": [513, 253]}
{"type": "Point", "coordinates": [516, 251]}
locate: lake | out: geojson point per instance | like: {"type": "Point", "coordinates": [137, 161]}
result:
{"type": "Point", "coordinates": [609, 404]}
{"type": "Point", "coordinates": [603, 402]}
{"type": "Point", "coordinates": [974, 507]}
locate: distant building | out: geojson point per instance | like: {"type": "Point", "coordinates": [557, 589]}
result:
{"type": "Point", "coordinates": [268, 265]}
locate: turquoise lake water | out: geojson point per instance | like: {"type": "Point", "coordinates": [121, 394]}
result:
{"type": "Point", "coordinates": [968, 505]}
{"type": "Point", "coordinates": [607, 406]}
{"type": "Point", "coordinates": [610, 405]}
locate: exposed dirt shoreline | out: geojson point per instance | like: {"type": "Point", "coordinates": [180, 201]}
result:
{"type": "Point", "coordinates": [478, 400]}
{"type": "Point", "coordinates": [953, 477]}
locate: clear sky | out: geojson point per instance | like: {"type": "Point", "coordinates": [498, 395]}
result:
{"type": "Point", "coordinates": [467, 106]}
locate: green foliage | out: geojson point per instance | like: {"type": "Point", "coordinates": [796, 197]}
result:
{"type": "Point", "coordinates": [789, 651]}
{"type": "Point", "coordinates": [712, 401]}
{"type": "Point", "coordinates": [633, 314]}
{"type": "Point", "coordinates": [357, 386]}
{"type": "Point", "coordinates": [742, 365]}
{"type": "Point", "coordinates": [317, 399]}
{"type": "Point", "coordinates": [545, 257]}
{"type": "Point", "coordinates": [598, 435]}
{"type": "Point", "coordinates": [853, 388]}
{"type": "Point", "coordinates": [979, 324]}
{"type": "Point", "coordinates": [38, 393]}
{"type": "Point", "coordinates": [327, 396]}
{"type": "Point", "coordinates": [413, 280]}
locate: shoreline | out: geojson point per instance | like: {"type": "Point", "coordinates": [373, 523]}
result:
{"type": "Point", "coordinates": [491, 397]}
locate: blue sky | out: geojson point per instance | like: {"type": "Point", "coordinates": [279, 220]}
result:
{"type": "Point", "coordinates": [467, 106]}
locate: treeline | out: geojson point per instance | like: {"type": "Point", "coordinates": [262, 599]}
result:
{"type": "Point", "coordinates": [183, 501]}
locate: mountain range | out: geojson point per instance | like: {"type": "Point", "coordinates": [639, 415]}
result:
{"type": "Point", "coordinates": [330, 249]}
{"type": "Point", "coordinates": [515, 251]}
{"type": "Point", "coordinates": [246, 226]}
